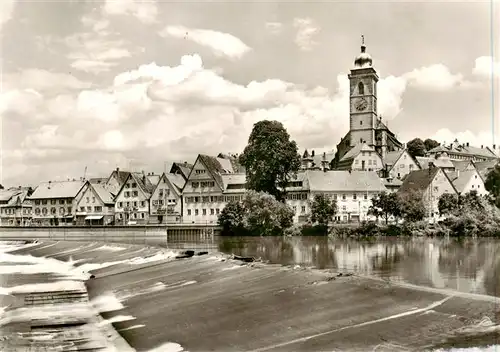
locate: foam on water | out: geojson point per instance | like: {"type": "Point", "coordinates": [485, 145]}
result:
{"type": "Point", "coordinates": [73, 276]}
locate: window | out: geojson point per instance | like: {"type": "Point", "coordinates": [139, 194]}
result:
{"type": "Point", "coordinates": [142, 215]}
{"type": "Point", "coordinates": [135, 204]}
{"type": "Point", "coordinates": [53, 201]}
{"type": "Point", "coordinates": [89, 209]}
{"type": "Point", "coordinates": [37, 211]}
{"type": "Point", "coordinates": [93, 199]}
{"type": "Point", "coordinates": [88, 199]}
{"type": "Point", "coordinates": [361, 123]}
{"type": "Point", "coordinates": [294, 208]}
{"type": "Point", "coordinates": [356, 161]}
{"type": "Point", "coordinates": [127, 185]}
{"type": "Point", "coordinates": [143, 203]}
{"type": "Point", "coordinates": [61, 201]}
{"type": "Point", "coordinates": [212, 211]}
{"type": "Point", "coordinates": [217, 211]}
{"type": "Point", "coordinates": [344, 208]}
{"type": "Point", "coordinates": [204, 211]}
{"type": "Point", "coordinates": [44, 201]}
{"type": "Point", "coordinates": [195, 184]}
{"type": "Point", "coordinates": [126, 195]}
{"type": "Point", "coordinates": [343, 197]}
{"type": "Point", "coordinates": [135, 216]}
{"type": "Point", "coordinates": [134, 185]}
{"type": "Point", "coordinates": [472, 186]}
{"type": "Point", "coordinates": [354, 196]}
{"type": "Point", "coordinates": [69, 210]}
{"type": "Point", "coordinates": [189, 212]}
{"type": "Point", "coordinates": [53, 211]}
{"type": "Point", "coordinates": [365, 197]}
{"type": "Point", "coordinates": [61, 210]}
{"type": "Point", "coordinates": [335, 196]}
{"type": "Point", "coordinates": [196, 212]}
{"type": "Point", "coordinates": [37, 202]}
{"type": "Point", "coordinates": [82, 208]}
{"type": "Point", "coordinates": [134, 194]}
{"type": "Point", "coordinates": [44, 211]}
{"type": "Point", "coordinates": [98, 209]}
{"type": "Point", "coordinates": [361, 88]}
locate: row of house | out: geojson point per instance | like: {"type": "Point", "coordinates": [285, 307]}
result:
{"type": "Point", "coordinates": [197, 193]}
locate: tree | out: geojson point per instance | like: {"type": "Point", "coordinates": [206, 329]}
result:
{"type": "Point", "coordinates": [323, 210]}
{"type": "Point", "coordinates": [492, 184]}
{"type": "Point", "coordinates": [431, 144]}
{"type": "Point", "coordinates": [412, 207]}
{"type": "Point", "coordinates": [416, 147]}
{"type": "Point", "coordinates": [448, 204]}
{"type": "Point", "coordinates": [258, 213]}
{"type": "Point", "coordinates": [231, 218]}
{"type": "Point", "coordinates": [271, 159]}
{"type": "Point", "coordinates": [384, 205]}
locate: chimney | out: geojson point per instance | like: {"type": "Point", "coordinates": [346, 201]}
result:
{"type": "Point", "coordinates": [324, 162]}
{"type": "Point", "coordinates": [117, 170]}
{"type": "Point", "coordinates": [482, 146]}
{"type": "Point", "coordinates": [467, 144]}
{"type": "Point", "coordinates": [494, 146]}
{"type": "Point", "coordinates": [312, 152]}
{"type": "Point", "coordinates": [185, 163]}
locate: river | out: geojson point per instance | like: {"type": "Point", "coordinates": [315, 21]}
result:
{"type": "Point", "coordinates": [466, 265]}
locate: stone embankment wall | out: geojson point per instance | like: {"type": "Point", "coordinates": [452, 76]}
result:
{"type": "Point", "coordinates": [149, 235]}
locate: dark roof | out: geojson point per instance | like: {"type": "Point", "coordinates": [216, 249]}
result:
{"type": "Point", "coordinates": [143, 182]}
{"type": "Point", "coordinates": [461, 149]}
{"type": "Point", "coordinates": [98, 180]}
{"type": "Point", "coordinates": [418, 180]}
{"type": "Point", "coordinates": [181, 168]}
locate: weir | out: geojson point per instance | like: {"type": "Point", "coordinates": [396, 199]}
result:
{"type": "Point", "coordinates": [213, 302]}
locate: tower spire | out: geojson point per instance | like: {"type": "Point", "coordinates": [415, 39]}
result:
{"type": "Point", "coordinates": [363, 46]}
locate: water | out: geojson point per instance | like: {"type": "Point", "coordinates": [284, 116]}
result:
{"type": "Point", "coordinates": [468, 265]}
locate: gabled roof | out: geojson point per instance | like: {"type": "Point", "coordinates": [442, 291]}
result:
{"type": "Point", "coordinates": [98, 180]}
{"type": "Point", "coordinates": [154, 179]}
{"type": "Point", "coordinates": [14, 197]}
{"type": "Point", "coordinates": [419, 180]}
{"type": "Point", "coordinates": [424, 161]}
{"type": "Point", "coordinates": [57, 189]}
{"type": "Point", "coordinates": [461, 165]}
{"type": "Point", "coordinates": [461, 149]}
{"type": "Point", "coordinates": [353, 152]}
{"type": "Point", "coordinates": [484, 167]}
{"type": "Point", "coordinates": [234, 183]}
{"type": "Point", "coordinates": [176, 180]}
{"type": "Point", "coordinates": [216, 167]}
{"type": "Point", "coordinates": [143, 183]}
{"type": "Point", "coordinates": [105, 195]}
{"type": "Point", "coordinates": [460, 179]}
{"type": "Point", "coordinates": [183, 168]}
{"type": "Point", "coordinates": [344, 181]}
{"type": "Point", "coordinates": [392, 157]}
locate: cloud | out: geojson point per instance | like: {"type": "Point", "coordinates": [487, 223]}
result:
{"type": "Point", "coordinates": [40, 80]}
{"type": "Point", "coordinates": [7, 9]}
{"type": "Point", "coordinates": [144, 11]}
{"type": "Point", "coordinates": [485, 66]}
{"type": "Point", "coordinates": [434, 77]}
{"type": "Point", "coordinates": [96, 50]}
{"type": "Point", "coordinates": [307, 29]}
{"type": "Point", "coordinates": [274, 27]}
{"type": "Point", "coordinates": [222, 44]}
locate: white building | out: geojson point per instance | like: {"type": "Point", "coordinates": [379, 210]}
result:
{"type": "Point", "coordinates": [165, 203]}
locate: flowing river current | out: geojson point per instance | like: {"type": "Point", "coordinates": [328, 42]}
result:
{"type": "Point", "coordinates": [471, 266]}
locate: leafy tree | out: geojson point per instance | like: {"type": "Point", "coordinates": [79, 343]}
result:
{"type": "Point", "coordinates": [271, 159]}
{"type": "Point", "coordinates": [416, 147]}
{"type": "Point", "coordinates": [231, 218]}
{"type": "Point", "coordinates": [430, 144]}
{"type": "Point", "coordinates": [492, 184]}
{"type": "Point", "coordinates": [448, 204]}
{"type": "Point", "coordinates": [471, 202]}
{"type": "Point", "coordinates": [384, 205]}
{"type": "Point", "coordinates": [257, 214]}
{"type": "Point", "coordinates": [323, 209]}
{"type": "Point", "coordinates": [412, 207]}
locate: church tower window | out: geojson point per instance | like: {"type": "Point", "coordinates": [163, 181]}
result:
{"type": "Point", "coordinates": [361, 88]}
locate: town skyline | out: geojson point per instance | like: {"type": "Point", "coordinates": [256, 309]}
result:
{"type": "Point", "coordinates": [138, 83]}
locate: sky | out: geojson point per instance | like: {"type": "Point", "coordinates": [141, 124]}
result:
{"type": "Point", "coordinates": [95, 85]}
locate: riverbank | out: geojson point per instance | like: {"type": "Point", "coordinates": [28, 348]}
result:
{"type": "Point", "coordinates": [213, 302]}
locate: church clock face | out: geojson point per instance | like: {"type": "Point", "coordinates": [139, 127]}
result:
{"type": "Point", "coordinates": [361, 104]}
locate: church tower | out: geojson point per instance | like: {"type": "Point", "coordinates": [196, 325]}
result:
{"type": "Point", "coordinates": [363, 99]}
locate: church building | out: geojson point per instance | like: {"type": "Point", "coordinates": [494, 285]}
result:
{"type": "Point", "coordinates": [368, 135]}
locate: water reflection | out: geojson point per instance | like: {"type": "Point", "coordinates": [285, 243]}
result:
{"type": "Point", "coordinates": [469, 265]}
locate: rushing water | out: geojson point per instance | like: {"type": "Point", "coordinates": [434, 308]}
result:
{"type": "Point", "coordinates": [467, 265]}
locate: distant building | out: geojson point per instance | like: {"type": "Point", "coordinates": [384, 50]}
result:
{"type": "Point", "coordinates": [314, 161]}
{"type": "Point", "coordinates": [54, 202]}
{"type": "Point", "coordinates": [132, 200]}
{"type": "Point", "coordinates": [15, 206]}
{"type": "Point", "coordinates": [466, 181]}
{"type": "Point", "coordinates": [362, 157]}
{"type": "Point", "coordinates": [165, 203]}
{"type": "Point", "coordinates": [116, 180]}
{"type": "Point", "coordinates": [464, 151]}
{"type": "Point", "coordinates": [182, 169]}
{"type": "Point", "coordinates": [95, 205]}
{"type": "Point", "coordinates": [399, 163]}
{"type": "Point", "coordinates": [430, 183]}
{"type": "Point", "coordinates": [484, 167]}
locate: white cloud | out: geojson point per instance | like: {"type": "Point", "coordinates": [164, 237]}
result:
{"type": "Point", "coordinates": [223, 44]}
{"type": "Point", "coordinates": [434, 77]}
{"type": "Point", "coordinates": [6, 11]}
{"type": "Point", "coordinates": [307, 29]}
{"type": "Point", "coordinates": [41, 80]}
{"type": "Point", "coordinates": [274, 27]}
{"type": "Point", "coordinates": [144, 11]}
{"type": "Point", "coordinates": [485, 66]}
{"type": "Point", "coordinates": [96, 50]}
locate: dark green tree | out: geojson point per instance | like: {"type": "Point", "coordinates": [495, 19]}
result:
{"type": "Point", "coordinates": [411, 206]}
{"type": "Point", "coordinates": [270, 158]}
{"type": "Point", "coordinates": [492, 184]}
{"type": "Point", "coordinates": [323, 209]}
{"type": "Point", "coordinates": [416, 147]}
{"type": "Point", "coordinates": [430, 144]}
{"type": "Point", "coordinates": [448, 204]}
{"type": "Point", "coordinates": [384, 205]}
{"type": "Point", "coordinates": [231, 218]}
